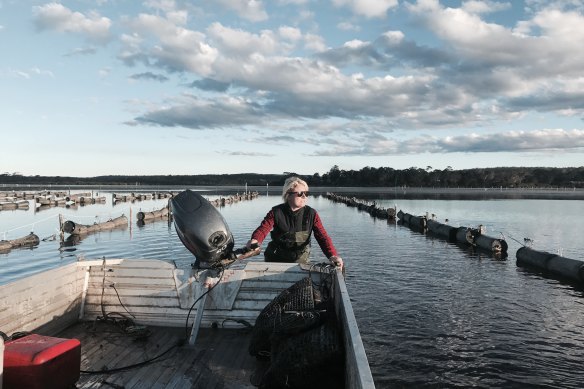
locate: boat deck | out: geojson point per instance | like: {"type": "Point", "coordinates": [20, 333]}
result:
{"type": "Point", "coordinates": [219, 358]}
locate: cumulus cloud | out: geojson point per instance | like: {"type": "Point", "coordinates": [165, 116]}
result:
{"type": "Point", "coordinates": [348, 26]}
{"type": "Point", "coordinates": [81, 51]}
{"type": "Point", "coordinates": [209, 84]}
{"type": "Point", "coordinates": [512, 141]}
{"type": "Point", "coordinates": [26, 73]}
{"type": "Point", "coordinates": [149, 76]}
{"type": "Point", "coordinates": [252, 10]}
{"type": "Point", "coordinates": [367, 8]}
{"type": "Point", "coordinates": [538, 63]}
{"type": "Point", "coordinates": [297, 2]}
{"type": "Point", "coordinates": [564, 5]}
{"type": "Point", "coordinates": [240, 43]}
{"type": "Point", "coordinates": [157, 41]}
{"type": "Point", "coordinates": [246, 153]}
{"type": "Point", "coordinates": [197, 113]}
{"type": "Point", "coordinates": [57, 17]}
{"type": "Point", "coordinates": [292, 34]}
{"type": "Point", "coordinates": [540, 140]}
{"type": "Point", "coordinates": [474, 73]}
{"type": "Point", "coordinates": [484, 6]}
{"type": "Point", "coordinates": [483, 72]}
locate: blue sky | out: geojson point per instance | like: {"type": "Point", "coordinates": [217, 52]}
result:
{"type": "Point", "coordinates": [234, 86]}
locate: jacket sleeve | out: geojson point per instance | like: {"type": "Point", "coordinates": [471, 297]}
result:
{"type": "Point", "coordinates": [265, 227]}
{"type": "Point", "coordinates": [324, 241]}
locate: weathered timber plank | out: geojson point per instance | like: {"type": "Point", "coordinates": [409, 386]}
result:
{"type": "Point", "coordinates": [37, 279]}
{"type": "Point", "coordinates": [274, 266]}
{"type": "Point", "coordinates": [255, 294]}
{"type": "Point", "coordinates": [128, 263]}
{"type": "Point", "coordinates": [29, 288]}
{"type": "Point", "coordinates": [30, 317]}
{"type": "Point", "coordinates": [98, 280]}
{"type": "Point", "coordinates": [219, 359]}
{"type": "Point", "coordinates": [136, 301]}
{"type": "Point", "coordinates": [132, 292]}
{"type": "Point", "coordinates": [285, 277]}
{"type": "Point", "coordinates": [144, 376]}
{"type": "Point", "coordinates": [266, 284]}
{"type": "Point", "coordinates": [191, 358]}
{"type": "Point", "coordinates": [138, 272]}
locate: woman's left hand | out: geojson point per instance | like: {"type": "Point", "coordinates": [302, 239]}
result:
{"type": "Point", "coordinates": [337, 261]}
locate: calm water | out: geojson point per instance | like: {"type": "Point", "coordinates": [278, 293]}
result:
{"type": "Point", "coordinates": [431, 313]}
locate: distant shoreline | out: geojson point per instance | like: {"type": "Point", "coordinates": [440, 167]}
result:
{"type": "Point", "coordinates": [368, 192]}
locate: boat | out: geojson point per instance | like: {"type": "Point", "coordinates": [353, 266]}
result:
{"type": "Point", "coordinates": [145, 323]}
{"type": "Point", "coordinates": [87, 299]}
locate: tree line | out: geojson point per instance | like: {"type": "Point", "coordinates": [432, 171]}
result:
{"type": "Point", "coordinates": [508, 177]}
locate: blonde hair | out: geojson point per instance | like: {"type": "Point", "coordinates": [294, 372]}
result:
{"type": "Point", "coordinates": [290, 184]}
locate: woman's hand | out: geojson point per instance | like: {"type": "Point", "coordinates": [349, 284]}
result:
{"type": "Point", "coordinates": [251, 243]}
{"type": "Point", "coordinates": [337, 261]}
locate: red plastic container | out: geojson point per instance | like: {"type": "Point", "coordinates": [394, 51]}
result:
{"type": "Point", "coordinates": [41, 362]}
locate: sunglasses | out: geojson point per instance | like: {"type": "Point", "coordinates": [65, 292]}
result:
{"type": "Point", "coordinates": [300, 194]}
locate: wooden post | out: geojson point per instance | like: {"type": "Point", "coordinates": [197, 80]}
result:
{"type": "Point", "coordinates": [130, 223]}
{"type": "Point", "coordinates": [61, 233]}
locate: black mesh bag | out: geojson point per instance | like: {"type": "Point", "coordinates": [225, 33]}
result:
{"type": "Point", "coordinates": [310, 359]}
{"type": "Point", "coordinates": [275, 319]}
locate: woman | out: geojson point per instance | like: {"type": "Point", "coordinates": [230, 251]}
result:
{"type": "Point", "coordinates": [291, 225]}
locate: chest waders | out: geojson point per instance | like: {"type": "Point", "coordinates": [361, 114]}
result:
{"type": "Point", "coordinates": [290, 246]}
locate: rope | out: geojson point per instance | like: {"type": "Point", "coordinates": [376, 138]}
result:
{"type": "Point", "coordinates": [108, 215]}
{"type": "Point", "coordinates": [512, 238]}
{"type": "Point", "coordinates": [139, 364]}
{"type": "Point", "coordinates": [33, 224]}
{"type": "Point", "coordinates": [65, 215]}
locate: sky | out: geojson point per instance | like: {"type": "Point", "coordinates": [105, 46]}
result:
{"type": "Point", "coordinates": [172, 87]}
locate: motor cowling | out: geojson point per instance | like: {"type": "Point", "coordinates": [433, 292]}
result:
{"type": "Point", "coordinates": [201, 227]}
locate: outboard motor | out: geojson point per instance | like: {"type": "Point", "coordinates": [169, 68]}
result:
{"type": "Point", "coordinates": [202, 229]}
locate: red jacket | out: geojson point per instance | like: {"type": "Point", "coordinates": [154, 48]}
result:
{"type": "Point", "coordinates": [324, 241]}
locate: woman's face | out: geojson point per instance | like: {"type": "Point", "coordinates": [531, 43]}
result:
{"type": "Point", "coordinates": [295, 201]}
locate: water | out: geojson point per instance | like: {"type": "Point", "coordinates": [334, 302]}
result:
{"type": "Point", "coordinates": [431, 313]}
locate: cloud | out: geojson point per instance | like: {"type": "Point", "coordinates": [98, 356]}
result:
{"type": "Point", "coordinates": [297, 2]}
{"type": "Point", "coordinates": [314, 42]}
{"type": "Point", "coordinates": [347, 26]}
{"type": "Point", "coordinates": [239, 43]}
{"type": "Point", "coordinates": [290, 33]}
{"type": "Point", "coordinates": [513, 141]}
{"type": "Point", "coordinates": [564, 5]}
{"type": "Point", "coordinates": [26, 73]}
{"type": "Point", "coordinates": [390, 50]}
{"type": "Point", "coordinates": [540, 140]}
{"type": "Point", "coordinates": [367, 8]}
{"type": "Point", "coordinates": [246, 153]}
{"type": "Point", "coordinates": [475, 73]}
{"type": "Point", "coordinates": [56, 17]}
{"type": "Point", "coordinates": [538, 61]}
{"type": "Point", "coordinates": [149, 76]}
{"type": "Point", "coordinates": [81, 51]}
{"type": "Point", "coordinates": [252, 10]}
{"type": "Point", "coordinates": [197, 113]}
{"type": "Point", "coordinates": [208, 84]}
{"type": "Point", "coordinates": [484, 6]}
{"type": "Point", "coordinates": [158, 42]}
